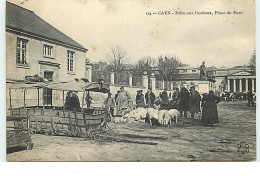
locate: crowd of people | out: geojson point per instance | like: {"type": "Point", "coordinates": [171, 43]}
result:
{"type": "Point", "coordinates": [184, 101]}
{"type": "Point", "coordinates": [72, 101]}
{"type": "Point", "coordinates": [249, 96]}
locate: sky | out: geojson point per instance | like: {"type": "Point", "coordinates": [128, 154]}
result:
{"type": "Point", "coordinates": [100, 25]}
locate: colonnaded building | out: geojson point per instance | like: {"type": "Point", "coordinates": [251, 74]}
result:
{"type": "Point", "coordinates": [234, 79]}
{"type": "Point", "coordinates": [33, 46]}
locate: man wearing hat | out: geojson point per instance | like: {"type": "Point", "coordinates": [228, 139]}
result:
{"type": "Point", "coordinates": [74, 101]}
{"type": "Point", "coordinates": [165, 99]}
{"type": "Point", "coordinates": [123, 100]}
{"type": "Point", "coordinates": [110, 104]}
{"type": "Point", "coordinates": [150, 98]}
{"type": "Point", "coordinates": [194, 102]}
{"type": "Point", "coordinates": [116, 100]}
{"type": "Point", "coordinates": [140, 99]}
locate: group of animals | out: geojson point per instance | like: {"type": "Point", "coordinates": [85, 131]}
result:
{"type": "Point", "coordinates": [153, 116]}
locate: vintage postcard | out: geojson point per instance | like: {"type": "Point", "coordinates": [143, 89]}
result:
{"type": "Point", "coordinates": [130, 80]}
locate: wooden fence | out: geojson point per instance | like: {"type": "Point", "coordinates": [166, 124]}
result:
{"type": "Point", "coordinates": [18, 133]}
{"type": "Point", "coordinates": [64, 122]}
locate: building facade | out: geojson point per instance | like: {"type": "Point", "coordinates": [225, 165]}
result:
{"type": "Point", "coordinates": [190, 76]}
{"type": "Point", "coordinates": [33, 47]}
{"type": "Point", "coordinates": [234, 79]}
{"type": "Point", "coordinates": [241, 81]}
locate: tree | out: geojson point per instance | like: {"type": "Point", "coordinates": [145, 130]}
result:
{"type": "Point", "coordinates": [167, 68]}
{"type": "Point", "coordinates": [252, 62]}
{"type": "Point", "coordinates": [146, 64]}
{"type": "Point", "coordinates": [117, 59]}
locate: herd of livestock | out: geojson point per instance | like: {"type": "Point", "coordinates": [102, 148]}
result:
{"type": "Point", "coordinates": [168, 117]}
{"type": "Point", "coordinates": [163, 117]}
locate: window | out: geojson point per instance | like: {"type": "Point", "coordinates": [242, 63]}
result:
{"type": "Point", "coordinates": [48, 75]}
{"type": "Point", "coordinates": [47, 50]}
{"type": "Point", "coordinates": [70, 61]}
{"type": "Point", "coordinates": [193, 70]}
{"type": "Point", "coordinates": [21, 51]}
{"type": "Point", "coordinates": [184, 71]}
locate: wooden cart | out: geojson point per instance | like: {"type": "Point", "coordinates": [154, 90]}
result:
{"type": "Point", "coordinates": [18, 132]}
{"type": "Point", "coordinates": [58, 121]}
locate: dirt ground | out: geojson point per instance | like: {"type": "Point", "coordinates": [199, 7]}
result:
{"type": "Point", "coordinates": [181, 142]}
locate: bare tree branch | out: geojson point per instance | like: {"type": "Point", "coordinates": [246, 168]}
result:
{"type": "Point", "coordinates": [117, 58]}
{"type": "Point", "coordinates": [252, 62]}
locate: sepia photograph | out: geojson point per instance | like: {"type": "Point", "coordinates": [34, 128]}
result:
{"type": "Point", "coordinates": [130, 80]}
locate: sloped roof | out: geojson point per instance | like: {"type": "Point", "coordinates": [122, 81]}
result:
{"type": "Point", "coordinates": [241, 73]}
{"type": "Point", "coordinates": [188, 76]}
{"type": "Point", "coordinates": [241, 67]}
{"type": "Point", "coordinates": [187, 68]}
{"type": "Point", "coordinates": [221, 74]}
{"type": "Point", "coordinates": [24, 20]}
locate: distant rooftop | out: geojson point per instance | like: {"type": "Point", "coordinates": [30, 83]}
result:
{"type": "Point", "coordinates": [188, 77]}
{"type": "Point", "coordinates": [24, 20]}
{"type": "Point", "coordinates": [186, 68]}
{"type": "Point", "coordinates": [241, 67]}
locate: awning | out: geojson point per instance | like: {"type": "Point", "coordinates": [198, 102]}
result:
{"type": "Point", "coordinates": [27, 86]}
{"type": "Point", "coordinates": [96, 87]}
{"type": "Point", "coordinates": [74, 85]}
{"type": "Point", "coordinates": [79, 85]}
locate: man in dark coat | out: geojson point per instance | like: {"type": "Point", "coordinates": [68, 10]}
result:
{"type": "Point", "coordinates": [140, 99]}
{"type": "Point", "coordinates": [210, 111]}
{"type": "Point", "coordinates": [175, 95]}
{"type": "Point", "coordinates": [150, 98]}
{"type": "Point", "coordinates": [183, 98]}
{"type": "Point", "coordinates": [164, 99]}
{"type": "Point", "coordinates": [110, 104]}
{"type": "Point", "coordinates": [116, 100]}
{"type": "Point", "coordinates": [88, 100]}
{"type": "Point", "coordinates": [250, 98]}
{"type": "Point", "coordinates": [68, 95]}
{"type": "Point", "coordinates": [194, 102]}
{"type": "Point", "coordinates": [73, 102]}
{"type": "Point", "coordinates": [123, 100]}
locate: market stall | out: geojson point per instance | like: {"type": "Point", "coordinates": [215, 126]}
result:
{"type": "Point", "coordinates": [58, 120]}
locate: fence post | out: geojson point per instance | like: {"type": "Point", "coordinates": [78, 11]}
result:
{"type": "Point", "coordinates": [145, 80]}
{"type": "Point", "coordinates": [112, 78]}
{"type": "Point", "coordinates": [130, 80]}
{"type": "Point", "coordinates": [171, 84]}
{"type": "Point", "coordinates": [153, 84]}
{"type": "Point", "coordinates": [163, 85]}
{"type": "Point", "coordinates": [89, 72]}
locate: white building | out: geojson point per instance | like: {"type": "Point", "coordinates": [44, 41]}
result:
{"type": "Point", "coordinates": [33, 46]}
